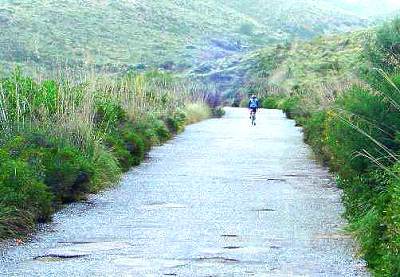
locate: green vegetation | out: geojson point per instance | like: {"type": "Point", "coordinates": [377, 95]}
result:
{"type": "Point", "coordinates": [121, 35]}
{"type": "Point", "coordinates": [60, 140]}
{"type": "Point", "coordinates": [349, 109]}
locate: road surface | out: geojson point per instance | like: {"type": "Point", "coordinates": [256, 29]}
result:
{"type": "Point", "coordinates": [221, 199]}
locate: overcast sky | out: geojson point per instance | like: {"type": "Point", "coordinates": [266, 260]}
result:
{"type": "Point", "coordinates": [368, 7]}
{"type": "Point", "coordinates": [387, 3]}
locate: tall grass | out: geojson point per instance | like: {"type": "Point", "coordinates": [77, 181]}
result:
{"type": "Point", "coordinates": [356, 133]}
{"type": "Point", "coordinates": [62, 138]}
{"type": "Point", "coordinates": [354, 127]}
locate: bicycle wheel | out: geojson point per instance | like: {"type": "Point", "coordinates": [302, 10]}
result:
{"type": "Point", "coordinates": [253, 120]}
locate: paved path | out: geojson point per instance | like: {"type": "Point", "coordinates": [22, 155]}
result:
{"type": "Point", "coordinates": [222, 199]}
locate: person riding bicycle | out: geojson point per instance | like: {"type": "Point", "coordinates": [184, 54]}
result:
{"type": "Point", "coordinates": [254, 104]}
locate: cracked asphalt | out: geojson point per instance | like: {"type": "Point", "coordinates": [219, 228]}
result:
{"type": "Point", "coordinates": [221, 199]}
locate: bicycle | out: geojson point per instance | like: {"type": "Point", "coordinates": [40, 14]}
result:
{"type": "Point", "coordinates": [253, 118]}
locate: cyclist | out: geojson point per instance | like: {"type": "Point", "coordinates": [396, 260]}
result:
{"type": "Point", "coordinates": [254, 105]}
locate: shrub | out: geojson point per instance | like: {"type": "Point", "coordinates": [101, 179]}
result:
{"type": "Point", "coordinates": [271, 102]}
{"type": "Point", "coordinates": [196, 112]}
{"type": "Point", "coordinates": [176, 122]}
{"type": "Point", "coordinates": [383, 49]}
{"type": "Point", "coordinates": [290, 105]}
{"type": "Point", "coordinates": [218, 112]}
{"type": "Point", "coordinates": [21, 188]}
{"type": "Point", "coordinates": [61, 139]}
{"type": "Point", "coordinates": [116, 144]}
{"type": "Point", "coordinates": [147, 131]}
{"type": "Point", "coordinates": [362, 121]}
{"type": "Point", "coordinates": [358, 134]}
{"type": "Point", "coordinates": [161, 130]}
{"type": "Point", "coordinates": [106, 168]}
{"type": "Point", "coordinates": [244, 103]}
{"type": "Point", "coordinates": [67, 173]}
{"type": "Point", "coordinates": [14, 222]}
{"type": "Point", "coordinates": [135, 145]}
{"type": "Point", "coordinates": [314, 130]}
{"type": "Point", "coordinates": [109, 113]}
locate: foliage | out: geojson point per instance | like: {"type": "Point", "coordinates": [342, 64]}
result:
{"type": "Point", "coordinates": [197, 112]}
{"type": "Point", "coordinates": [127, 36]}
{"type": "Point", "coordinates": [354, 128]}
{"type": "Point", "coordinates": [61, 140]}
{"type": "Point", "coordinates": [383, 50]}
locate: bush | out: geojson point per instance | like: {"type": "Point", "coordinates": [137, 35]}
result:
{"type": "Point", "coordinates": [218, 112]}
{"type": "Point", "coordinates": [21, 188]}
{"type": "Point", "coordinates": [135, 145]}
{"type": "Point", "coordinates": [176, 122]}
{"type": "Point", "coordinates": [146, 129]}
{"type": "Point", "coordinates": [362, 122]}
{"type": "Point", "coordinates": [244, 103]}
{"type": "Point", "coordinates": [161, 130]}
{"type": "Point", "coordinates": [67, 173]}
{"type": "Point", "coordinates": [106, 168]}
{"type": "Point", "coordinates": [314, 131]}
{"type": "Point", "coordinates": [383, 49]}
{"type": "Point", "coordinates": [196, 112]}
{"type": "Point", "coordinates": [290, 106]}
{"type": "Point", "coordinates": [60, 140]}
{"type": "Point", "coordinates": [109, 114]}
{"type": "Point", "coordinates": [14, 222]}
{"type": "Point", "coordinates": [357, 131]}
{"type": "Point", "coordinates": [271, 102]}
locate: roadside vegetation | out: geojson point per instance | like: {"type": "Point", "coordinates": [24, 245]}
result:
{"type": "Point", "coordinates": [345, 92]}
{"type": "Point", "coordinates": [62, 139]}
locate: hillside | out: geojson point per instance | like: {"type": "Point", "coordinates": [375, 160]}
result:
{"type": "Point", "coordinates": [305, 64]}
{"type": "Point", "coordinates": [322, 60]}
{"type": "Point", "coordinates": [169, 34]}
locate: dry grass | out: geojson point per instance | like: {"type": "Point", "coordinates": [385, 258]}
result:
{"type": "Point", "coordinates": [72, 116]}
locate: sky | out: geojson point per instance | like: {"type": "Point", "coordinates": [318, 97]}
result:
{"type": "Point", "coordinates": [390, 2]}
{"type": "Point", "coordinates": [368, 7]}
{"type": "Point", "coordinates": [387, 3]}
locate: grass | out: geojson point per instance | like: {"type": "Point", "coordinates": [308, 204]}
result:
{"type": "Point", "coordinates": [124, 35]}
{"type": "Point", "coordinates": [61, 139]}
{"type": "Point", "coordinates": [197, 112]}
{"type": "Point", "coordinates": [350, 114]}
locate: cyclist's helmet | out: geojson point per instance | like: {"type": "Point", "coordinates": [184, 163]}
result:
{"type": "Point", "coordinates": [253, 96]}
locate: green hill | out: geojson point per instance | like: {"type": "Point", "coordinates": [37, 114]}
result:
{"type": "Point", "coordinates": [168, 34]}
{"type": "Point", "coordinates": [331, 59]}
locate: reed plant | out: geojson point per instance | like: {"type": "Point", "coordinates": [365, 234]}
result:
{"type": "Point", "coordinates": [61, 139]}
